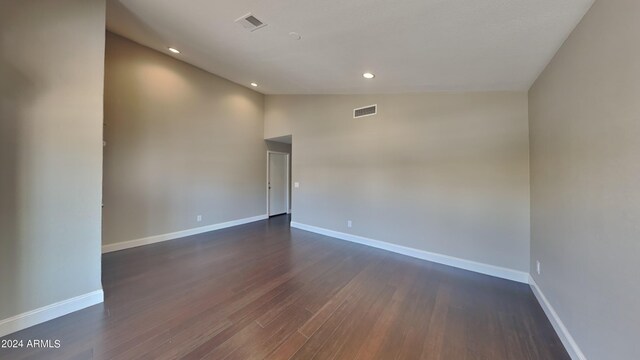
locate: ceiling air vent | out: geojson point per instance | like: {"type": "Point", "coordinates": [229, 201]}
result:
{"type": "Point", "coordinates": [365, 111]}
{"type": "Point", "coordinates": [250, 22]}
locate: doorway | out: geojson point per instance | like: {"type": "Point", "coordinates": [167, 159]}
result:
{"type": "Point", "coordinates": [277, 183]}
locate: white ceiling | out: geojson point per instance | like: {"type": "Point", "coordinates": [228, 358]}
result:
{"type": "Point", "coordinates": [411, 45]}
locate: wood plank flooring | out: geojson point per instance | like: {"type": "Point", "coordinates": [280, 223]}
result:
{"type": "Point", "coordinates": [265, 291]}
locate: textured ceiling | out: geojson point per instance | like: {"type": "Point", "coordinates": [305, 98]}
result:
{"type": "Point", "coordinates": [411, 45]}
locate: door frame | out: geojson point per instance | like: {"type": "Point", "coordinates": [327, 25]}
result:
{"type": "Point", "coordinates": [287, 183]}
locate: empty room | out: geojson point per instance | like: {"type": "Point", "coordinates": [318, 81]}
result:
{"type": "Point", "coordinates": [300, 179]}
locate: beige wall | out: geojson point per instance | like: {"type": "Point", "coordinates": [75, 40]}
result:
{"type": "Point", "coordinates": [446, 173]}
{"type": "Point", "coordinates": [276, 124]}
{"type": "Point", "coordinates": [181, 142]}
{"type": "Point", "coordinates": [51, 91]}
{"type": "Point", "coordinates": [585, 151]}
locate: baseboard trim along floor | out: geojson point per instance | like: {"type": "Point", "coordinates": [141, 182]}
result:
{"type": "Point", "coordinates": [49, 312]}
{"type": "Point", "coordinates": [492, 270]}
{"type": "Point", "coordinates": [178, 234]}
{"type": "Point", "coordinates": [563, 333]}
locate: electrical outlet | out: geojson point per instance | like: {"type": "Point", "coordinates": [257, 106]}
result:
{"type": "Point", "coordinates": [538, 267]}
{"type": "Point", "coordinates": [349, 223]}
{"type": "Point", "coordinates": [199, 218]}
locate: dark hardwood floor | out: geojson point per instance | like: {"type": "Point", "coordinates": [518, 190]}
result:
{"type": "Point", "coordinates": [263, 291]}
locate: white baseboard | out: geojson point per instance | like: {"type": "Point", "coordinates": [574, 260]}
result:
{"type": "Point", "coordinates": [178, 234]}
{"type": "Point", "coordinates": [49, 312]}
{"type": "Point", "coordinates": [492, 270]}
{"type": "Point", "coordinates": [563, 333]}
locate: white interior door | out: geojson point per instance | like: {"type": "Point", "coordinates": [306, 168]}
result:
{"type": "Point", "coordinates": [278, 183]}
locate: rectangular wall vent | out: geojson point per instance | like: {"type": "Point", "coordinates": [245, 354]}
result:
{"type": "Point", "coordinates": [365, 111]}
{"type": "Point", "coordinates": [250, 22]}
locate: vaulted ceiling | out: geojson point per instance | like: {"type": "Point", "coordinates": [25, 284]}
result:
{"type": "Point", "coordinates": [410, 45]}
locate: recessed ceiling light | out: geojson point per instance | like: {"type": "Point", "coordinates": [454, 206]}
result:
{"type": "Point", "coordinates": [254, 84]}
{"type": "Point", "coordinates": [368, 75]}
{"type": "Point", "coordinates": [174, 50]}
